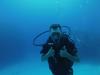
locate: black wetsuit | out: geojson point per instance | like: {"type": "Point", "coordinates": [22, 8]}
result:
{"type": "Point", "coordinates": [57, 64]}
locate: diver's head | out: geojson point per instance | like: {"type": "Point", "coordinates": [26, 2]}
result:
{"type": "Point", "coordinates": [55, 30]}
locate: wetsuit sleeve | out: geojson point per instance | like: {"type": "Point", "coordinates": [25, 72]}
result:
{"type": "Point", "coordinates": [45, 48]}
{"type": "Point", "coordinates": [70, 45]}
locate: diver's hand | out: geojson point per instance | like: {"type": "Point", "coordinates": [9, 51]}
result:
{"type": "Point", "coordinates": [50, 52]}
{"type": "Point", "coordinates": [64, 53]}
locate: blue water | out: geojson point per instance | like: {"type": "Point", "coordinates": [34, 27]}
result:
{"type": "Point", "coordinates": [22, 20]}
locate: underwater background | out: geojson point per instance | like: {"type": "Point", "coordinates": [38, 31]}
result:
{"type": "Point", "coordinates": [23, 20]}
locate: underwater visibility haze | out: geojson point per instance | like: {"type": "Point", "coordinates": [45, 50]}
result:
{"type": "Point", "coordinates": [23, 20]}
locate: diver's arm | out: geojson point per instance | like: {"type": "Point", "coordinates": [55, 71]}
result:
{"type": "Point", "coordinates": [50, 53]}
{"type": "Point", "coordinates": [70, 50]}
{"type": "Point", "coordinates": [74, 58]}
{"type": "Point", "coordinates": [44, 57]}
{"type": "Point", "coordinates": [65, 54]}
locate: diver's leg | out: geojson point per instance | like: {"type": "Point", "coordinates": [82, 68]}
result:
{"type": "Point", "coordinates": [62, 71]}
{"type": "Point", "coordinates": [59, 70]}
{"type": "Point", "coordinates": [69, 71]}
{"type": "Point", "coordinates": [65, 71]}
{"type": "Point", "coordinates": [52, 68]}
{"type": "Point", "coordinates": [56, 70]}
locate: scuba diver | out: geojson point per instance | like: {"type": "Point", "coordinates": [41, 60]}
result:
{"type": "Point", "coordinates": [60, 52]}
